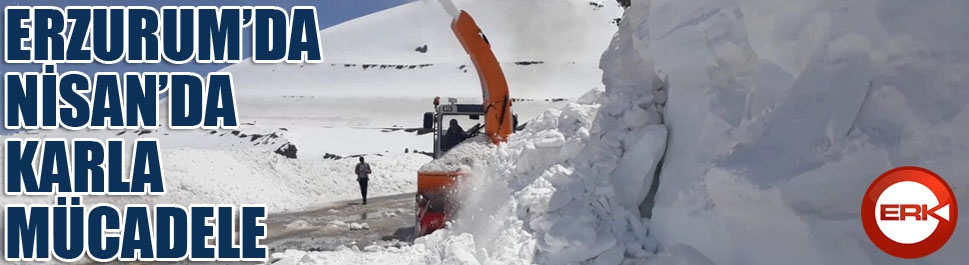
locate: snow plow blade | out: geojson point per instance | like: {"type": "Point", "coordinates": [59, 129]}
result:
{"type": "Point", "coordinates": [434, 203]}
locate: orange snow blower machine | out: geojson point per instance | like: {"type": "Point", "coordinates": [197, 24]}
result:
{"type": "Point", "coordinates": [434, 201]}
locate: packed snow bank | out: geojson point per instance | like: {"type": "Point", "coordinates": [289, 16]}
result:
{"type": "Point", "coordinates": [464, 157]}
{"type": "Point", "coordinates": [781, 115]}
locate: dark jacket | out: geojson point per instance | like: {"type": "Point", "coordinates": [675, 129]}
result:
{"type": "Point", "coordinates": [362, 170]}
{"type": "Point", "coordinates": [454, 135]}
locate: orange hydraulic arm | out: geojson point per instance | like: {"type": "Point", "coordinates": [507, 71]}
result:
{"type": "Point", "coordinates": [433, 199]}
{"type": "Point", "coordinates": [494, 88]}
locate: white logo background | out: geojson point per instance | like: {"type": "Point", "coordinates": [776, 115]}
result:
{"type": "Point", "coordinates": [908, 231]}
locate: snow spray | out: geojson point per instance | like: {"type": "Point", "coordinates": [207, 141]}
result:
{"type": "Point", "coordinates": [450, 8]}
{"type": "Point", "coordinates": [484, 210]}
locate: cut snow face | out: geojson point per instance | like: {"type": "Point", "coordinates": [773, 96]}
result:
{"type": "Point", "coordinates": [781, 115]}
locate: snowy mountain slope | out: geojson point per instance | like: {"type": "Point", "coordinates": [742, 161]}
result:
{"type": "Point", "coordinates": [558, 30]}
{"type": "Point", "coordinates": [373, 75]}
{"type": "Point", "coordinates": [548, 49]}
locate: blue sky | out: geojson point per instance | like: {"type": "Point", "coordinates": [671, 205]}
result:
{"type": "Point", "coordinates": [329, 13]}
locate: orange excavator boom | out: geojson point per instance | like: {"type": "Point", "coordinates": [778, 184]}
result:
{"type": "Point", "coordinates": [434, 204]}
{"type": "Point", "coordinates": [494, 88]}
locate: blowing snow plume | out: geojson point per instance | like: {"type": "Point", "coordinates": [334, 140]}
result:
{"type": "Point", "coordinates": [449, 8]}
{"type": "Point", "coordinates": [562, 191]}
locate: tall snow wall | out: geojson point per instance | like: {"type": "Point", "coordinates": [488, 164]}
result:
{"type": "Point", "coordinates": [781, 113]}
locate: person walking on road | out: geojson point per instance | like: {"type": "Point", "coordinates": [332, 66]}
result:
{"type": "Point", "coordinates": [363, 176]}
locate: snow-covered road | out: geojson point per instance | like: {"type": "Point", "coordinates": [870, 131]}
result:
{"type": "Point", "coordinates": [383, 221]}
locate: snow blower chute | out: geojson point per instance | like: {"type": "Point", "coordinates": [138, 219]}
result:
{"type": "Point", "coordinates": [434, 205]}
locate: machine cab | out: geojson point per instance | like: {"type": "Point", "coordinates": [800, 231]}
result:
{"type": "Point", "coordinates": [438, 123]}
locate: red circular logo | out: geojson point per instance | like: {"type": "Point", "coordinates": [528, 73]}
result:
{"type": "Point", "coordinates": [909, 212]}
